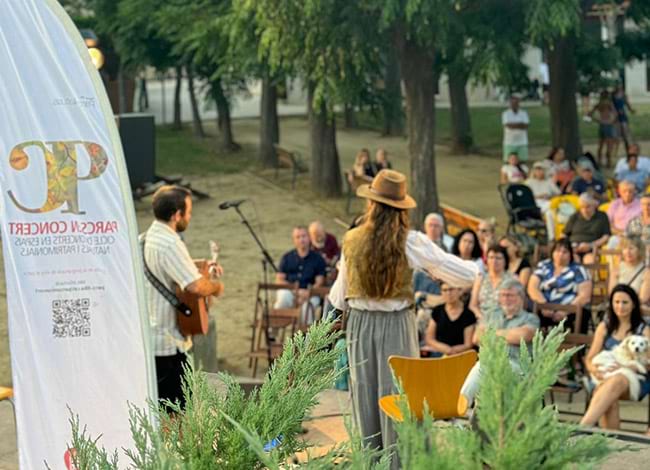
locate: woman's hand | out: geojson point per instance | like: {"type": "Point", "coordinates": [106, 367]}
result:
{"type": "Point", "coordinates": [558, 316]}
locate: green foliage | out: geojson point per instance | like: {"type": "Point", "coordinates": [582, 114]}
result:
{"type": "Point", "coordinates": [214, 429]}
{"type": "Point", "coordinates": [333, 45]}
{"type": "Point", "coordinates": [519, 431]}
{"type": "Point", "coordinates": [547, 19]}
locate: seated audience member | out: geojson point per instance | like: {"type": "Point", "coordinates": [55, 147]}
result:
{"type": "Point", "coordinates": [325, 244]}
{"type": "Point", "coordinates": [639, 226]}
{"type": "Point", "coordinates": [543, 189]}
{"type": "Point", "coordinates": [301, 266]}
{"type": "Point", "coordinates": [622, 319]}
{"type": "Point", "coordinates": [560, 170]}
{"type": "Point", "coordinates": [451, 325]}
{"type": "Point", "coordinates": [586, 182]}
{"type": "Point", "coordinates": [434, 228]}
{"type": "Point", "coordinates": [381, 161]}
{"type": "Point", "coordinates": [512, 323]}
{"type": "Point", "coordinates": [427, 296]}
{"type": "Point", "coordinates": [634, 174]}
{"type": "Point", "coordinates": [467, 247]}
{"type": "Point", "coordinates": [624, 208]}
{"type": "Point", "coordinates": [643, 163]}
{"type": "Point", "coordinates": [513, 171]}
{"type": "Point", "coordinates": [631, 270]}
{"type": "Point", "coordinates": [484, 298]}
{"type": "Point", "coordinates": [559, 280]}
{"type": "Point", "coordinates": [486, 234]}
{"type": "Point", "coordinates": [587, 229]}
{"type": "Point", "coordinates": [363, 167]}
{"type": "Point", "coordinates": [518, 264]}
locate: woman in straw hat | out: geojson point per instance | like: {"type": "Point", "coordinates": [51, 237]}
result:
{"type": "Point", "coordinates": [374, 281]}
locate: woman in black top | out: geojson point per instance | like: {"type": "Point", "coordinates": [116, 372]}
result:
{"type": "Point", "coordinates": [451, 326]}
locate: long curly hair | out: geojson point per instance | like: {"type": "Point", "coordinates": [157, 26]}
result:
{"type": "Point", "coordinates": [383, 257]}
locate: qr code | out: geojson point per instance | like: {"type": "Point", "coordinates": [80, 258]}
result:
{"type": "Point", "coordinates": [70, 318]}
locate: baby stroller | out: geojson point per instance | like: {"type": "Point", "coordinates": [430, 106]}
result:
{"type": "Point", "coordinates": [525, 220]}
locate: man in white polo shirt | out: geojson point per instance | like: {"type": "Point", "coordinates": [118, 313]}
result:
{"type": "Point", "coordinates": [515, 130]}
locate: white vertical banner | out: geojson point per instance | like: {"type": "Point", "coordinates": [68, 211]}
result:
{"type": "Point", "coordinates": [77, 319]}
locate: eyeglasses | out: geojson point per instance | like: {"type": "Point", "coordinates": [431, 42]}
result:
{"type": "Point", "coordinates": [496, 257]}
{"type": "Point", "coordinates": [446, 290]}
{"type": "Point", "coordinates": [484, 230]}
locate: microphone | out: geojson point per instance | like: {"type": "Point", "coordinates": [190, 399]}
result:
{"type": "Point", "coordinates": [228, 204]}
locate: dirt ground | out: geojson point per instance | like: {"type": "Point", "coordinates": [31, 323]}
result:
{"type": "Point", "coordinates": [468, 183]}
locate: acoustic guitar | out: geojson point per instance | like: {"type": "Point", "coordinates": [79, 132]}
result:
{"type": "Point", "coordinates": [197, 323]}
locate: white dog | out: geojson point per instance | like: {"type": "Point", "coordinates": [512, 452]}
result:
{"type": "Point", "coordinates": [630, 358]}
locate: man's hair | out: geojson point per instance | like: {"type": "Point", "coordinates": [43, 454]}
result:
{"type": "Point", "coordinates": [299, 227]}
{"type": "Point", "coordinates": [434, 215]}
{"type": "Point", "coordinates": [513, 284]}
{"type": "Point", "coordinates": [588, 199]}
{"type": "Point", "coordinates": [627, 183]}
{"type": "Point", "coordinates": [168, 200]}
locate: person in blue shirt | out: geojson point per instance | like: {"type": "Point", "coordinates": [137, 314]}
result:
{"type": "Point", "coordinates": [586, 182]}
{"type": "Point", "coordinates": [303, 268]}
{"type": "Point", "coordinates": [633, 173]}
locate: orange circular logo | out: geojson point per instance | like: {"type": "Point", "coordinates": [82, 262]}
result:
{"type": "Point", "coordinates": [18, 159]}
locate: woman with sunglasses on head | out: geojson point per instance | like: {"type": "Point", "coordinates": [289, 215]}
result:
{"type": "Point", "coordinates": [451, 326]}
{"type": "Point", "coordinates": [518, 264]}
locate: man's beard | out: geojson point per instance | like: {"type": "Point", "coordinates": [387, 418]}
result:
{"type": "Point", "coordinates": [181, 226]}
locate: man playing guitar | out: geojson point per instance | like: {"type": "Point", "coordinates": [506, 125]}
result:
{"type": "Point", "coordinates": [167, 258]}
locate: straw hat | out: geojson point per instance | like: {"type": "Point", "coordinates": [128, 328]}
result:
{"type": "Point", "coordinates": [388, 187]}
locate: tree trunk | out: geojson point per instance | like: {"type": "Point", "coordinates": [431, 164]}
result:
{"type": "Point", "coordinates": [269, 130]}
{"type": "Point", "coordinates": [197, 125]}
{"type": "Point", "coordinates": [350, 117]}
{"type": "Point", "coordinates": [325, 167]}
{"type": "Point", "coordinates": [177, 124]}
{"type": "Point", "coordinates": [417, 65]}
{"type": "Point", "coordinates": [462, 141]}
{"type": "Point", "coordinates": [223, 118]}
{"type": "Point", "coordinates": [563, 87]}
{"type": "Point", "coordinates": [393, 112]}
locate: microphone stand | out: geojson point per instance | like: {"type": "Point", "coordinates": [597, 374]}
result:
{"type": "Point", "coordinates": [266, 262]}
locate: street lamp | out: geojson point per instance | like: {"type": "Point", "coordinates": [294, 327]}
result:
{"type": "Point", "coordinates": [91, 41]}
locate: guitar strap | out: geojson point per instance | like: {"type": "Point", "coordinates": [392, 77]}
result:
{"type": "Point", "coordinates": [162, 288]}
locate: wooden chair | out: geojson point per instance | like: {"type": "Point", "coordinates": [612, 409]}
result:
{"type": "Point", "coordinates": [570, 309]}
{"type": "Point", "coordinates": [599, 273]}
{"type": "Point", "coordinates": [540, 252]}
{"type": "Point", "coordinates": [282, 320]}
{"type": "Point", "coordinates": [291, 160]}
{"type": "Point", "coordinates": [436, 381]}
{"type": "Point", "coordinates": [352, 182]}
{"type": "Point", "coordinates": [7, 393]}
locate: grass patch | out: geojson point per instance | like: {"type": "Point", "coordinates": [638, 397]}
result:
{"type": "Point", "coordinates": [488, 132]}
{"type": "Point", "coordinates": [182, 152]}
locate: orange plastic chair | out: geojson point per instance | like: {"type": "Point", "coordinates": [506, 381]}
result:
{"type": "Point", "coordinates": [436, 381]}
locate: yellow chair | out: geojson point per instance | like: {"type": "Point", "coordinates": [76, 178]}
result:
{"type": "Point", "coordinates": [554, 206]}
{"type": "Point", "coordinates": [436, 381]}
{"type": "Point", "coordinates": [604, 206]}
{"type": "Point", "coordinates": [7, 393]}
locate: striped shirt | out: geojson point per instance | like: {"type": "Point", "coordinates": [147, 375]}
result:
{"type": "Point", "coordinates": [563, 288]}
{"type": "Point", "coordinates": [168, 259]}
{"type": "Point", "coordinates": [422, 254]}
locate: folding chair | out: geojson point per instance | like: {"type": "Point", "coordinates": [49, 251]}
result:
{"type": "Point", "coordinates": [436, 381]}
{"type": "Point", "coordinates": [281, 320]}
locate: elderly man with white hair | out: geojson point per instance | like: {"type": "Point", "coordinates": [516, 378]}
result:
{"type": "Point", "coordinates": [623, 209]}
{"type": "Point", "coordinates": [434, 228]}
{"type": "Point", "coordinates": [512, 323]}
{"type": "Point", "coordinates": [588, 228]}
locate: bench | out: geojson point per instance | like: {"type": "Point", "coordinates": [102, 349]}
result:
{"type": "Point", "coordinates": [291, 160]}
{"type": "Point", "coordinates": [352, 182]}
{"type": "Point", "coordinates": [458, 220]}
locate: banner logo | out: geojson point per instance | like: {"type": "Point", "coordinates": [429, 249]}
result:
{"type": "Point", "coordinates": [61, 170]}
